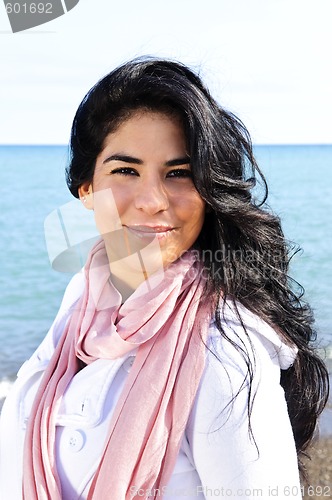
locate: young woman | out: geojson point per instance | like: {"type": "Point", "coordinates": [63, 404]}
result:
{"type": "Point", "coordinates": [180, 363]}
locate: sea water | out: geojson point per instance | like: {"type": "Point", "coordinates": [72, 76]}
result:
{"type": "Point", "coordinates": [33, 185]}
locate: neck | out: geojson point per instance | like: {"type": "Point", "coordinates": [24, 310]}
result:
{"type": "Point", "coordinates": [129, 272]}
{"type": "Point", "coordinates": [125, 280]}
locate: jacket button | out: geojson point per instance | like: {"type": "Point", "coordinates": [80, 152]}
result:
{"type": "Point", "coordinates": [128, 363]}
{"type": "Point", "coordinates": [76, 440]}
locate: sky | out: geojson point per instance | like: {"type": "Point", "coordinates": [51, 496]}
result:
{"type": "Point", "coordinates": [268, 61]}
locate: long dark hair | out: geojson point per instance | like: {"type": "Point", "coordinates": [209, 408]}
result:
{"type": "Point", "coordinates": [255, 259]}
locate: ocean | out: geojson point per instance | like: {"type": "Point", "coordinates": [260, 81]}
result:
{"type": "Point", "coordinates": [33, 185]}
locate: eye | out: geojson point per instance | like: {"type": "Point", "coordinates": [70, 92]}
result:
{"type": "Point", "coordinates": [181, 173]}
{"type": "Point", "coordinates": [124, 171]}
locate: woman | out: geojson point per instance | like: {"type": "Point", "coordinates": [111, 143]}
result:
{"type": "Point", "coordinates": [179, 364]}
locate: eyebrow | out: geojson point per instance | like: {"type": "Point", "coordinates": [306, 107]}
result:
{"type": "Point", "coordinates": [137, 161]}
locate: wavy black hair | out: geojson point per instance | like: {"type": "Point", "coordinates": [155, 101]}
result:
{"type": "Point", "coordinates": [255, 259]}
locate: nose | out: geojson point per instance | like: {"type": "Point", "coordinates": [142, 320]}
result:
{"type": "Point", "coordinates": [151, 197]}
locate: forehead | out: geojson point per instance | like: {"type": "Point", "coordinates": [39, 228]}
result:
{"type": "Point", "coordinates": [145, 114]}
{"type": "Point", "coordinates": [143, 127]}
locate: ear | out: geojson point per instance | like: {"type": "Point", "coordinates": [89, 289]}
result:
{"type": "Point", "coordinates": [86, 195]}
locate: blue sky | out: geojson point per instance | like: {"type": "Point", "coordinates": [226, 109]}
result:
{"type": "Point", "coordinates": [269, 61]}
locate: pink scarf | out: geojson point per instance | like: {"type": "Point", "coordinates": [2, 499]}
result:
{"type": "Point", "coordinates": [167, 320]}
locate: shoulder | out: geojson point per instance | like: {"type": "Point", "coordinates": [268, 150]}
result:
{"type": "Point", "coordinates": [248, 334]}
{"type": "Point", "coordinates": [73, 292]}
{"type": "Point", "coordinates": [44, 351]}
{"type": "Point", "coordinates": [242, 371]}
{"type": "Point", "coordinates": [246, 357]}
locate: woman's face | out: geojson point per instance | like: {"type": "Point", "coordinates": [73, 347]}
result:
{"type": "Point", "coordinates": [142, 187]}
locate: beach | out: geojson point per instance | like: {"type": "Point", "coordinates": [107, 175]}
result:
{"type": "Point", "coordinates": [319, 469]}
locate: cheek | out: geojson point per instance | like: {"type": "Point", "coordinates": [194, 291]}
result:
{"type": "Point", "coordinates": [106, 211]}
{"type": "Point", "coordinates": [192, 213]}
{"type": "Point", "coordinates": [191, 209]}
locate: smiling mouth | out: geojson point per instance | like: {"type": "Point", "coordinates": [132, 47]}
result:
{"type": "Point", "coordinates": [150, 232]}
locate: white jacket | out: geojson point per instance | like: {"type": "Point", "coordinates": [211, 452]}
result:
{"type": "Point", "coordinates": [218, 456]}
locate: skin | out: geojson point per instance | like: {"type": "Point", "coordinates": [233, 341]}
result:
{"type": "Point", "coordinates": [146, 206]}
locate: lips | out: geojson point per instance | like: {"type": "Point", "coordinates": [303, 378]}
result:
{"type": "Point", "coordinates": [158, 231]}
